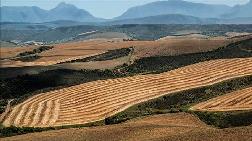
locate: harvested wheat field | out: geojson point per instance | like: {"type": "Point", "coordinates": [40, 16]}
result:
{"type": "Point", "coordinates": [82, 49]}
{"type": "Point", "coordinates": [97, 100]}
{"type": "Point", "coordinates": [235, 101]}
{"type": "Point", "coordinates": [178, 126]}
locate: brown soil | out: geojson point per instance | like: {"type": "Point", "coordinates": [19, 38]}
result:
{"type": "Point", "coordinates": [175, 127]}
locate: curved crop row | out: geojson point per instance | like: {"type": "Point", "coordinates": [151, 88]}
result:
{"type": "Point", "coordinates": [97, 100]}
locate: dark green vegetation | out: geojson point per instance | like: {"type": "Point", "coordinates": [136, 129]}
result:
{"type": "Point", "coordinates": [226, 119]}
{"type": "Point", "coordinates": [35, 51]}
{"type": "Point", "coordinates": [140, 32]}
{"type": "Point", "coordinates": [30, 56]}
{"type": "Point", "coordinates": [181, 101]}
{"type": "Point", "coordinates": [12, 131]}
{"type": "Point", "coordinates": [3, 103]}
{"type": "Point", "coordinates": [177, 102]}
{"type": "Point", "coordinates": [164, 63]}
{"type": "Point", "coordinates": [109, 55]}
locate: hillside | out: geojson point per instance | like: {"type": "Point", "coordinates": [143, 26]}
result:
{"type": "Point", "coordinates": [164, 19]}
{"type": "Point", "coordinates": [97, 100]}
{"type": "Point", "coordinates": [175, 7]}
{"type": "Point", "coordinates": [181, 19]}
{"type": "Point", "coordinates": [240, 11]}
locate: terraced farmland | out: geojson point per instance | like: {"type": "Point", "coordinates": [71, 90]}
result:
{"type": "Point", "coordinates": [235, 101]}
{"type": "Point", "coordinates": [97, 100]}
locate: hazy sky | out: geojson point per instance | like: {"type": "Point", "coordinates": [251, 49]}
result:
{"type": "Point", "coordinates": [103, 8]}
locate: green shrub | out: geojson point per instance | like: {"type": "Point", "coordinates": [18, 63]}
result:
{"type": "Point", "coordinates": [226, 119]}
{"type": "Point", "coordinates": [35, 51]}
{"type": "Point", "coordinates": [11, 131]}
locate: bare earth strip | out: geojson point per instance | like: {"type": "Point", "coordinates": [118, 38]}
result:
{"type": "Point", "coordinates": [168, 127]}
{"type": "Point", "coordinates": [235, 101]}
{"type": "Point", "coordinates": [97, 100]}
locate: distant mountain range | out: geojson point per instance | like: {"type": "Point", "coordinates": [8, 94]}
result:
{"type": "Point", "coordinates": [188, 8]}
{"type": "Point", "coordinates": [160, 12]}
{"type": "Point", "coordinates": [34, 14]}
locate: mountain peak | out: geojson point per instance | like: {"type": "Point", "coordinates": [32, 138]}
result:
{"type": "Point", "coordinates": [176, 0]}
{"type": "Point", "coordinates": [63, 5]}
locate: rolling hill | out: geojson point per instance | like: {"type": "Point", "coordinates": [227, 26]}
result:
{"type": "Point", "coordinates": [94, 101]}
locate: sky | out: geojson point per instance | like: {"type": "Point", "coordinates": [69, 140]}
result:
{"type": "Point", "coordinates": [104, 8]}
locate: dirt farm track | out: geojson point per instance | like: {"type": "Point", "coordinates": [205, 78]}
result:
{"type": "Point", "coordinates": [97, 100]}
